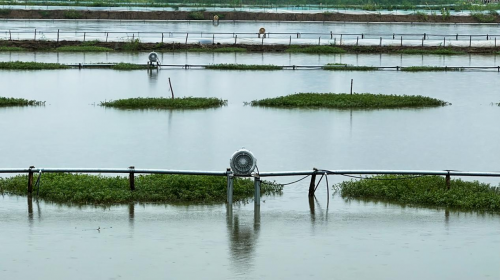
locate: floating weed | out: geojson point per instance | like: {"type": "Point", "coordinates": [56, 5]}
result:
{"type": "Point", "coordinates": [348, 101]}
{"type": "Point", "coordinates": [20, 65]}
{"type": "Point", "coordinates": [166, 103]}
{"type": "Point", "coordinates": [98, 189]}
{"type": "Point", "coordinates": [129, 66]}
{"type": "Point", "coordinates": [11, 102]}
{"type": "Point", "coordinates": [424, 191]}
{"type": "Point", "coordinates": [243, 67]}
{"type": "Point", "coordinates": [11, 49]}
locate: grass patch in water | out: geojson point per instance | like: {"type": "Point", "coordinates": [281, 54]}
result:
{"type": "Point", "coordinates": [98, 189]}
{"type": "Point", "coordinates": [243, 67]}
{"type": "Point", "coordinates": [346, 67]}
{"type": "Point", "coordinates": [20, 65]}
{"type": "Point", "coordinates": [223, 50]}
{"type": "Point", "coordinates": [348, 101]}
{"type": "Point", "coordinates": [314, 49]}
{"type": "Point", "coordinates": [129, 66]}
{"type": "Point", "coordinates": [83, 49]}
{"type": "Point", "coordinates": [166, 103]}
{"type": "Point", "coordinates": [429, 69]}
{"type": "Point", "coordinates": [11, 49]}
{"type": "Point", "coordinates": [425, 191]}
{"type": "Point", "coordinates": [438, 51]}
{"type": "Point", "coordinates": [12, 102]}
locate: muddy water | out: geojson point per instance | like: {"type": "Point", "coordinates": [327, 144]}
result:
{"type": "Point", "coordinates": [288, 238]}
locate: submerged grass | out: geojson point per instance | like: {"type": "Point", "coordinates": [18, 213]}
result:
{"type": "Point", "coordinates": [166, 103]}
{"type": "Point", "coordinates": [224, 50]}
{"type": "Point", "coordinates": [314, 49]}
{"type": "Point", "coordinates": [20, 65]}
{"type": "Point", "coordinates": [429, 68]}
{"type": "Point", "coordinates": [348, 101]}
{"type": "Point", "coordinates": [12, 102]}
{"type": "Point", "coordinates": [444, 51]}
{"type": "Point", "coordinates": [425, 191]}
{"type": "Point", "coordinates": [243, 67]}
{"type": "Point", "coordinates": [129, 66]}
{"type": "Point", "coordinates": [83, 49]}
{"type": "Point", "coordinates": [11, 49]}
{"type": "Point", "coordinates": [346, 67]}
{"type": "Point", "coordinates": [98, 189]}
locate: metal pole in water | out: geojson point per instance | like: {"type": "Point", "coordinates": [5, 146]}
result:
{"type": "Point", "coordinates": [171, 90]}
{"type": "Point", "coordinates": [351, 85]}
{"type": "Point", "coordinates": [131, 178]}
{"type": "Point", "coordinates": [35, 34]}
{"type": "Point", "coordinates": [162, 37]}
{"type": "Point", "coordinates": [312, 185]}
{"type": "Point", "coordinates": [257, 190]}
{"type": "Point", "coordinates": [230, 178]}
{"type": "Point", "coordinates": [30, 180]}
{"type": "Point", "coordinates": [58, 35]}
{"type": "Point", "coordinates": [10, 36]}
{"type": "Point", "coordinates": [187, 35]}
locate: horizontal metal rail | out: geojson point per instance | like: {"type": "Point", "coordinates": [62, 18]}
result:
{"type": "Point", "coordinates": [261, 174]}
{"type": "Point", "coordinates": [295, 67]}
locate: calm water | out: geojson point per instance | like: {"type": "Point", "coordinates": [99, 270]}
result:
{"type": "Point", "coordinates": [289, 237]}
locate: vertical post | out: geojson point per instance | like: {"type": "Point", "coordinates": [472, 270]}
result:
{"type": "Point", "coordinates": [393, 36]}
{"type": "Point", "coordinates": [381, 41]}
{"type": "Point", "coordinates": [312, 185]}
{"type": "Point", "coordinates": [35, 34]}
{"type": "Point", "coordinates": [470, 41]}
{"type": "Point", "coordinates": [456, 38]}
{"type": "Point", "coordinates": [401, 41]}
{"type": "Point", "coordinates": [131, 178]}
{"type": "Point", "coordinates": [171, 90]}
{"type": "Point", "coordinates": [108, 34]}
{"type": "Point", "coordinates": [10, 36]}
{"type": "Point", "coordinates": [257, 190]}
{"type": "Point", "coordinates": [444, 41]}
{"type": "Point", "coordinates": [230, 179]}
{"type": "Point", "coordinates": [84, 35]}
{"type": "Point", "coordinates": [448, 179]}
{"type": "Point", "coordinates": [263, 40]}
{"type": "Point", "coordinates": [235, 38]}
{"type": "Point", "coordinates": [487, 37]}
{"type": "Point", "coordinates": [187, 35]}
{"type": "Point", "coordinates": [162, 37]}
{"type": "Point", "coordinates": [30, 180]}
{"type": "Point", "coordinates": [58, 35]}
{"type": "Point", "coordinates": [331, 35]}
{"type": "Point", "coordinates": [351, 85]}
{"type": "Point", "coordinates": [362, 36]}
{"type": "Point", "coordinates": [133, 36]}
{"type": "Point", "coordinates": [290, 42]}
{"type": "Point", "coordinates": [425, 35]}
{"type": "Point", "coordinates": [495, 42]}
{"type": "Point", "coordinates": [213, 39]}
{"type": "Point", "coordinates": [357, 40]}
{"type": "Point", "coordinates": [319, 41]}
{"type": "Point", "coordinates": [422, 42]}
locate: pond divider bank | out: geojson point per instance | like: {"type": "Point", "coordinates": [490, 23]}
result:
{"type": "Point", "coordinates": [343, 67]}
{"type": "Point", "coordinates": [231, 175]}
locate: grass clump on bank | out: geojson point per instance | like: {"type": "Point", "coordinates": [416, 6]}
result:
{"type": "Point", "coordinates": [166, 103]}
{"type": "Point", "coordinates": [243, 67]}
{"type": "Point", "coordinates": [11, 49]}
{"type": "Point", "coordinates": [428, 69]}
{"type": "Point", "coordinates": [348, 101]}
{"type": "Point", "coordinates": [425, 191]}
{"type": "Point", "coordinates": [443, 51]}
{"type": "Point", "coordinates": [83, 49]}
{"type": "Point", "coordinates": [98, 189]}
{"type": "Point", "coordinates": [222, 50]}
{"type": "Point", "coordinates": [20, 65]}
{"type": "Point", "coordinates": [12, 102]}
{"type": "Point", "coordinates": [129, 66]}
{"type": "Point", "coordinates": [314, 49]}
{"type": "Point", "coordinates": [346, 67]}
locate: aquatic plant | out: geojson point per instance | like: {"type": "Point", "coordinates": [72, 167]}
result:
{"type": "Point", "coordinates": [314, 49]}
{"type": "Point", "coordinates": [348, 101]}
{"type": "Point", "coordinates": [243, 67]}
{"type": "Point", "coordinates": [441, 51]}
{"type": "Point", "coordinates": [129, 66]}
{"type": "Point", "coordinates": [196, 15]}
{"type": "Point", "coordinates": [132, 45]}
{"type": "Point", "coordinates": [20, 65]}
{"type": "Point", "coordinates": [98, 189]}
{"type": "Point", "coordinates": [11, 49]}
{"type": "Point", "coordinates": [83, 49]}
{"type": "Point", "coordinates": [12, 102]}
{"type": "Point", "coordinates": [165, 103]}
{"type": "Point", "coordinates": [345, 67]}
{"type": "Point", "coordinates": [429, 68]}
{"type": "Point", "coordinates": [424, 191]}
{"type": "Point", "coordinates": [485, 17]}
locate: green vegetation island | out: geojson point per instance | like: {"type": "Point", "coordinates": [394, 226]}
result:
{"type": "Point", "coordinates": [349, 101]}
{"type": "Point", "coordinates": [19, 102]}
{"type": "Point", "coordinates": [97, 189]}
{"type": "Point", "coordinates": [428, 191]}
{"type": "Point", "coordinates": [165, 103]}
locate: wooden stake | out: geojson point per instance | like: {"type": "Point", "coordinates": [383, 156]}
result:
{"type": "Point", "coordinates": [30, 180]}
{"type": "Point", "coordinates": [131, 178]}
{"type": "Point", "coordinates": [448, 179]}
{"type": "Point", "coordinates": [58, 35]}
{"type": "Point", "coordinates": [171, 90]}
{"type": "Point", "coordinates": [351, 85]}
{"type": "Point", "coordinates": [312, 185]}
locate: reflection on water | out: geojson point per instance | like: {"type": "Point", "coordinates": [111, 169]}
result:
{"type": "Point", "coordinates": [242, 239]}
